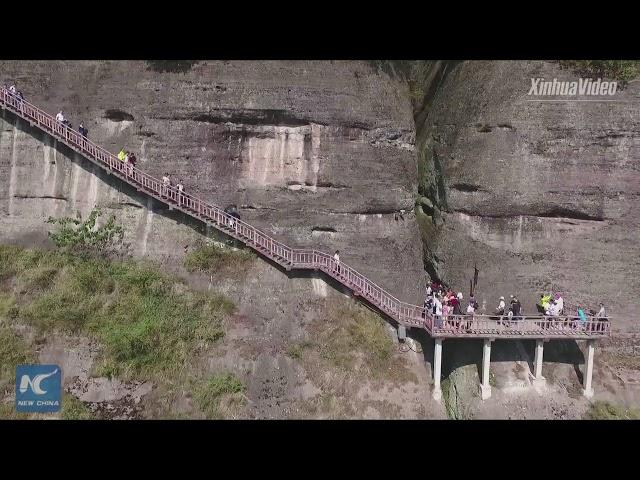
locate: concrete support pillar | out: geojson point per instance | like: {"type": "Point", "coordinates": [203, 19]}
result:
{"type": "Point", "coordinates": [437, 369]}
{"type": "Point", "coordinates": [588, 373]}
{"type": "Point", "coordinates": [538, 379]}
{"type": "Point", "coordinates": [402, 333]}
{"type": "Point", "coordinates": [485, 387]}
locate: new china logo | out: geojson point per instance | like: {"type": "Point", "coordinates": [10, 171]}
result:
{"type": "Point", "coordinates": [38, 388]}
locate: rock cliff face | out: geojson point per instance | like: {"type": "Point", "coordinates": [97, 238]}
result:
{"type": "Point", "coordinates": [320, 154]}
{"type": "Point", "coordinates": [542, 195]}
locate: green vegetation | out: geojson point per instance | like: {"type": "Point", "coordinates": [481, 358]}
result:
{"type": "Point", "coordinates": [13, 351]}
{"type": "Point", "coordinates": [150, 325]}
{"type": "Point", "coordinates": [213, 258]}
{"type": "Point", "coordinates": [171, 66]}
{"type": "Point", "coordinates": [607, 411]}
{"type": "Point", "coordinates": [414, 72]}
{"type": "Point", "coordinates": [359, 330]}
{"type": "Point", "coordinates": [622, 71]}
{"type": "Point", "coordinates": [85, 238]}
{"type": "Point", "coordinates": [74, 409]}
{"type": "Point", "coordinates": [8, 412]}
{"type": "Point", "coordinates": [6, 304]}
{"type": "Point", "coordinates": [354, 339]}
{"type": "Point", "coordinates": [221, 392]}
{"type": "Point", "coordinates": [449, 403]}
{"type": "Point", "coordinates": [295, 351]}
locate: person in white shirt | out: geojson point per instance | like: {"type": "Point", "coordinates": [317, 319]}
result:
{"type": "Point", "coordinates": [336, 257]}
{"type": "Point", "coordinates": [12, 89]}
{"type": "Point", "coordinates": [437, 310]}
{"type": "Point", "coordinates": [501, 307]}
{"type": "Point", "coordinates": [166, 182]}
{"type": "Point", "coordinates": [602, 317]}
{"type": "Point", "coordinates": [560, 304]}
{"type": "Point", "coordinates": [60, 117]}
{"type": "Point", "coordinates": [438, 304]}
{"type": "Point", "coordinates": [602, 313]}
{"type": "Point", "coordinates": [471, 309]}
{"type": "Point", "coordinates": [180, 189]}
{"type": "Point", "coordinates": [553, 310]}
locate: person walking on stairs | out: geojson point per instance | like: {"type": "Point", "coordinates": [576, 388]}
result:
{"type": "Point", "coordinates": [336, 258]}
{"type": "Point", "coordinates": [131, 161]}
{"type": "Point", "coordinates": [180, 188]}
{"type": "Point", "coordinates": [166, 183]}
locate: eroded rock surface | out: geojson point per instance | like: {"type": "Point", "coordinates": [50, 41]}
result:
{"type": "Point", "coordinates": [542, 195]}
{"type": "Point", "coordinates": [319, 154]}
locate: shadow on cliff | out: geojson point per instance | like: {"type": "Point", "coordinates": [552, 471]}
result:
{"type": "Point", "coordinates": [458, 353]}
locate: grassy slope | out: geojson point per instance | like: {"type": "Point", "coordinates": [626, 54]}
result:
{"type": "Point", "coordinates": [151, 326]}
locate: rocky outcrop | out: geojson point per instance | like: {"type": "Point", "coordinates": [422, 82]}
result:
{"type": "Point", "coordinates": [317, 153]}
{"type": "Point", "coordinates": [541, 195]}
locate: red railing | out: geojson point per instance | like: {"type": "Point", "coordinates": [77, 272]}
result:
{"type": "Point", "coordinates": [404, 313]}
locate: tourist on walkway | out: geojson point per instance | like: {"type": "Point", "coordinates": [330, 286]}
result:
{"type": "Point", "coordinates": [336, 258]}
{"type": "Point", "coordinates": [122, 155]}
{"type": "Point", "coordinates": [601, 316]}
{"type": "Point", "coordinates": [446, 309]}
{"type": "Point", "coordinates": [583, 318]}
{"type": "Point", "coordinates": [12, 89]}
{"type": "Point", "coordinates": [540, 305]}
{"type": "Point", "coordinates": [180, 188]}
{"type": "Point", "coordinates": [455, 305]}
{"type": "Point", "coordinates": [516, 308]}
{"type": "Point", "coordinates": [82, 131]}
{"type": "Point", "coordinates": [501, 307]}
{"type": "Point", "coordinates": [60, 117]}
{"type": "Point", "coordinates": [166, 182]}
{"type": "Point", "coordinates": [437, 310]}
{"type": "Point", "coordinates": [559, 301]}
{"type": "Point", "coordinates": [500, 310]}
{"type": "Point", "coordinates": [131, 161]}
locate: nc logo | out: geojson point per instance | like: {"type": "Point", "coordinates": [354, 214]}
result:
{"type": "Point", "coordinates": [34, 382]}
{"type": "Point", "coordinates": [38, 388]}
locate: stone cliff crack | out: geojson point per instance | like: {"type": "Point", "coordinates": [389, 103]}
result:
{"type": "Point", "coordinates": [243, 116]}
{"type": "Point", "coordinates": [51, 197]}
{"type": "Point", "coordinates": [466, 187]}
{"type": "Point", "coordinates": [554, 212]}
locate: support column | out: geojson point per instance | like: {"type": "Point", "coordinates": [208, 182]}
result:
{"type": "Point", "coordinates": [437, 369]}
{"type": "Point", "coordinates": [485, 387]}
{"type": "Point", "coordinates": [402, 333]}
{"type": "Point", "coordinates": [538, 379]}
{"type": "Point", "coordinates": [588, 373]}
